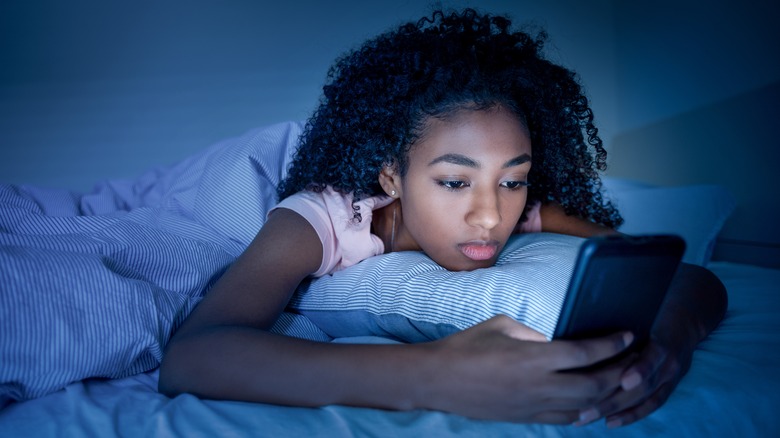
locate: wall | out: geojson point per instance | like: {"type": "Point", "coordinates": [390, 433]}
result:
{"type": "Point", "coordinates": [676, 56]}
{"type": "Point", "coordinates": [91, 90]}
{"type": "Point", "coordinates": [698, 90]}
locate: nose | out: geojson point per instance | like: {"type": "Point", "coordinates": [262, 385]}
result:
{"type": "Point", "coordinates": [484, 211]}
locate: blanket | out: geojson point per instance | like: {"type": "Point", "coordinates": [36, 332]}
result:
{"type": "Point", "coordinates": [93, 285]}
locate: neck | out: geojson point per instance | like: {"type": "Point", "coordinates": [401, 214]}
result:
{"type": "Point", "coordinates": [393, 228]}
{"type": "Point", "coordinates": [386, 224]}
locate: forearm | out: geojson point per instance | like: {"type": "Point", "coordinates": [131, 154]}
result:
{"type": "Point", "coordinates": [695, 305]}
{"type": "Point", "coordinates": [555, 220]}
{"type": "Point", "coordinates": [488, 371]}
{"type": "Point", "coordinates": [238, 363]}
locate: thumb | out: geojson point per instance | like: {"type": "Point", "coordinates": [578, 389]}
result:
{"type": "Point", "coordinates": [518, 330]}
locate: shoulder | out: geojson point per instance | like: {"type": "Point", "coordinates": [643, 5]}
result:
{"type": "Point", "coordinates": [342, 224]}
{"type": "Point", "coordinates": [332, 205]}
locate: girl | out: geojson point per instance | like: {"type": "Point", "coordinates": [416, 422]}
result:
{"type": "Point", "coordinates": [445, 137]}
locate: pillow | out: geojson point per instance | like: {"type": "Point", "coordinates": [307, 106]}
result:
{"type": "Point", "coordinates": [408, 297]}
{"type": "Point", "coordinates": [695, 212]}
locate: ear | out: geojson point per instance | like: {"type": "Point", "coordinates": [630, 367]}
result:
{"type": "Point", "coordinates": [390, 180]}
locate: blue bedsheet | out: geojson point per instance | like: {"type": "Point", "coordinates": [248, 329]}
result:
{"type": "Point", "coordinates": [93, 285]}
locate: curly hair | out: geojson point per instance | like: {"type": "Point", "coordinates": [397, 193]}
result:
{"type": "Point", "coordinates": [378, 97]}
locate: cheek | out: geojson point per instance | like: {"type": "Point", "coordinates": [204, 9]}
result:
{"type": "Point", "coordinates": [511, 213]}
{"type": "Point", "coordinates": [514, 206]}
{"type": "Point", "coordinates": [431, 221]}
{"type": "Point", "coordinates": [430, 217]}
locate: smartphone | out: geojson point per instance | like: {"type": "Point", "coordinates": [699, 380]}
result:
{"type": "Point", "coordinates": [619, 283]}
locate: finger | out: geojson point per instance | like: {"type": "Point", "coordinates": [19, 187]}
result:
{"type": "Point", "coordinates": [556, 417]}
{"type": "Point", "coordinates": [622, 365]}
{"type": "Point", "coordinates": [579, 354]}
{"type": "Point", "coordinates": [642, 410]}
{"type": "Point", "coordinates": [588, 387]}
{"type": "Point", "coordinates": [516, 329]}
{"type": "Point", "coordinates": [563, 403]}
{"type": "Point", "coordinates": [625, 401]}
{"type": "Point", "coordinates": [615, 397]}
{"type": "Point", "coordinates": [645, 368]}
{"type": "Point", "coordinates": [525, 333]}
{"type": "Point", "coordinates": [611, 372]}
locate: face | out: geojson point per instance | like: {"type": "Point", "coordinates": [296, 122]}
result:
{"type": "Point", "coordinates": [465, 187]}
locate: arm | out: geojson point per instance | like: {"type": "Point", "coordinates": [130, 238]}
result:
{"type": "Point", "coordinates": [555, 220]}
{"type": "Point", "coordinates": [696, 302]}
{"type": "Point", "coordinates": [223, 351]}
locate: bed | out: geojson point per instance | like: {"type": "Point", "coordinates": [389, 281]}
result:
{"type": "Point", "coordinates": [92, 284]}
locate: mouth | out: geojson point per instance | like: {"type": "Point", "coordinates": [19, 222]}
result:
{"type": "Point", "coordinates": [479, 250]}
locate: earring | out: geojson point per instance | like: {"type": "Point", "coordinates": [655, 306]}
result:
{"type": "Point", "coordinates": [392, 193]}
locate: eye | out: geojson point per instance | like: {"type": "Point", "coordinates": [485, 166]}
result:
{"type": "Point", "coordinates": [514, 185]}
{"type": "Point", "coordinates": [452, 184]}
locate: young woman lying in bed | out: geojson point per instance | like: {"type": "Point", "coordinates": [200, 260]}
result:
{"type": "Point", "coordinates": [445, 137]}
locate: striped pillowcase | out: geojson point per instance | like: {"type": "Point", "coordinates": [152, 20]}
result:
{"type": "Point", "coordinates": [408, 297]}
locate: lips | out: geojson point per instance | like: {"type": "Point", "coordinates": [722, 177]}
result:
{"type": "Point", "coordinates": [479, 250]}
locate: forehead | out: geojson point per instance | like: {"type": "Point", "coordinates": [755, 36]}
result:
{"type": "Point", "coordinates": [495, 132]}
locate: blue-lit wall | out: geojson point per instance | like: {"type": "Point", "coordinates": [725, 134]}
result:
{"type": "Point", "coordinates": [683, 91]}
{"type": "Point", "coordinates": [677, 56]}
{"type": "Point", "coordinates": [91, 89]}
{"type": "Point", "coordinates": [698, 91]}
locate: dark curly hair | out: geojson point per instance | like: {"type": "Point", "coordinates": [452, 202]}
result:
{"type": "Point", "coordinates": [377, 99]}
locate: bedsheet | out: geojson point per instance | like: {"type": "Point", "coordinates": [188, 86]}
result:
{"type": "Point", "coordinates": [732, 389]}
{"type": "Point", "coordinates": [92, 285]}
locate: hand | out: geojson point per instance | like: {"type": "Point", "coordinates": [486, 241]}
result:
{"type": "Point", "coordinates": [644, 386]}
{"type": "Point", "coordinates": [499, 370]}
{"type": "Point", "coordinates": [695, 304]}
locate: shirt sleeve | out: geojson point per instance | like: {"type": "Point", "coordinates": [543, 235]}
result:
{"type": "Point", "coordinates": [311, 206]}
{"type": "Point", "coordinates": [345, 239]}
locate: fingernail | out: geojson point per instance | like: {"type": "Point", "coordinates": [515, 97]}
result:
{"type": "Point", "coordinates": [631, 381]}
{"type": "Point", "coordinates": [628, 337]}
{"type": "Point", "coordinates": [587, 416]}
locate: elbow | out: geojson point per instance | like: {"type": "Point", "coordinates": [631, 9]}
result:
{"type": "Point", "coordinates": [719, 290]}
{"type": "Point", "coordinates": [712, 294]}
{"type": "Point", "coordinates": [713, 287]}
{"type": "Point", "coordinates": [165, 384]}
{"type": "Point", "coordinates": [171, 377]}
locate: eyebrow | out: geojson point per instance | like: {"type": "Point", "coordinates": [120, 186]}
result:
{"type": "Point", "coordinates": [462, 160]}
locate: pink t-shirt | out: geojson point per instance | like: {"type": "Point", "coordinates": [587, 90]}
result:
{"type": "Point", "coordinates": [347, 241]}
